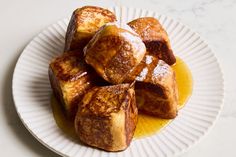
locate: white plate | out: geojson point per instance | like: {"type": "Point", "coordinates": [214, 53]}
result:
{"type": "Point", "coordinates": [31, 92]}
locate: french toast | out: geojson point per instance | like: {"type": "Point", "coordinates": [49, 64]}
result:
{"type": "Point", "coordinates": [155, 88]}
{"type": "Point", "coordinates": [109, 72]}
{"type": "Point", "coordinates": [83, 24]}
{"type": "Point", "coordinates": [70, 78]}
{"type": "Point", "coordinates": [107, 117]}
{"type": "Point", "coordinates": [113, 52]}
{"type": "Point", "coordinates": [155, 38]}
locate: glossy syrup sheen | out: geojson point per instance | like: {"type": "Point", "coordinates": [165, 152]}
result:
{"type": "Point", "coordinates": [147, 125]}
{"type": "Point", "coordinates": [67, 126]}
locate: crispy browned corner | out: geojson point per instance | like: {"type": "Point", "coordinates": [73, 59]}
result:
{"type": "Point", "coordinates": [83, 24]}
{"type": "Point", "coordinates": [70, 78]}
{"type": "Point", "coordinates": [155, 38]}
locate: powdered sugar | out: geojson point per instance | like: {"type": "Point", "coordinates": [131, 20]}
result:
{"type": "Point", "coordinates": [161, 69]}
{"type": "Point", "coordinates": [149, 59]}
{"type": "Point", "coordinates": [142, 75]}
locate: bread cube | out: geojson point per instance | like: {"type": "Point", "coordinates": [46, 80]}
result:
{"type": "Point", "coordinates": [70, 78]}
{"type": "Point", "coordinates": [83, 24]}
{"type": "Point", "coordinates": [155, 88]}
{"type": "Point", "coordinates": [113, 52]}
{"type": "Point", "coordinates": [155, 38]}
{"type": "Point", "coordinates": [107, 117]}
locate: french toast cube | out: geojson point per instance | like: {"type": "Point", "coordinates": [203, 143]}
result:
{"type": "Point", "coordinates": [155, 38]}
{"type": "Point", "coordinates": [107, 117]}
{"type": "Point", "coordinates": [113, 52]}
{"type": "Point", "coordinates": [155, 88]}
{"type": "Point", "coordinates": [83, 24]}
{"type": "Point", "coordinates": [70, 78]}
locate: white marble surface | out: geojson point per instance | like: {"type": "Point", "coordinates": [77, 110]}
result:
{"type": "Point", "coordinates": [214, 20]}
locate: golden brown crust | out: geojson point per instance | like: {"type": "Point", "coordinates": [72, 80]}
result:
{"type": "Point", "coordinates": [107, 117]}
{"type": "Point", "coordinates": [114, 52]}
{"type": "Point", "coordinates": [131, 116]}
{"type": "Point", "coordinates": [70, 78]}
{"type": "Point", "coordinates": [70, 66]}
{"type": "Point", "coordinates": [84, 23]}
{"type": "Point", "coordinates": [154, 37]}
{"type": "Point", "coordinates": [112, 96]}
{"type": "Point", "coordinates": [156, 89]}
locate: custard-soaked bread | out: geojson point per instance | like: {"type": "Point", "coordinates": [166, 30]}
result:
{"type": "Point", "coordinates": [107, 117]}
{"type": "Point", "coordinates": [113, 52]}
{"type": "Point", "coordinates": [155, 38]}
{"type": "Point", "coordinates": [70, 78]}
{"type": "Point", "coordinates": [155, 88]}
{"type": "Point", "coordinates": [83, 24]}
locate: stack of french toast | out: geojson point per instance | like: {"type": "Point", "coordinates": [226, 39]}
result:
{"type": "Point", "coordinates": [108, 73]}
